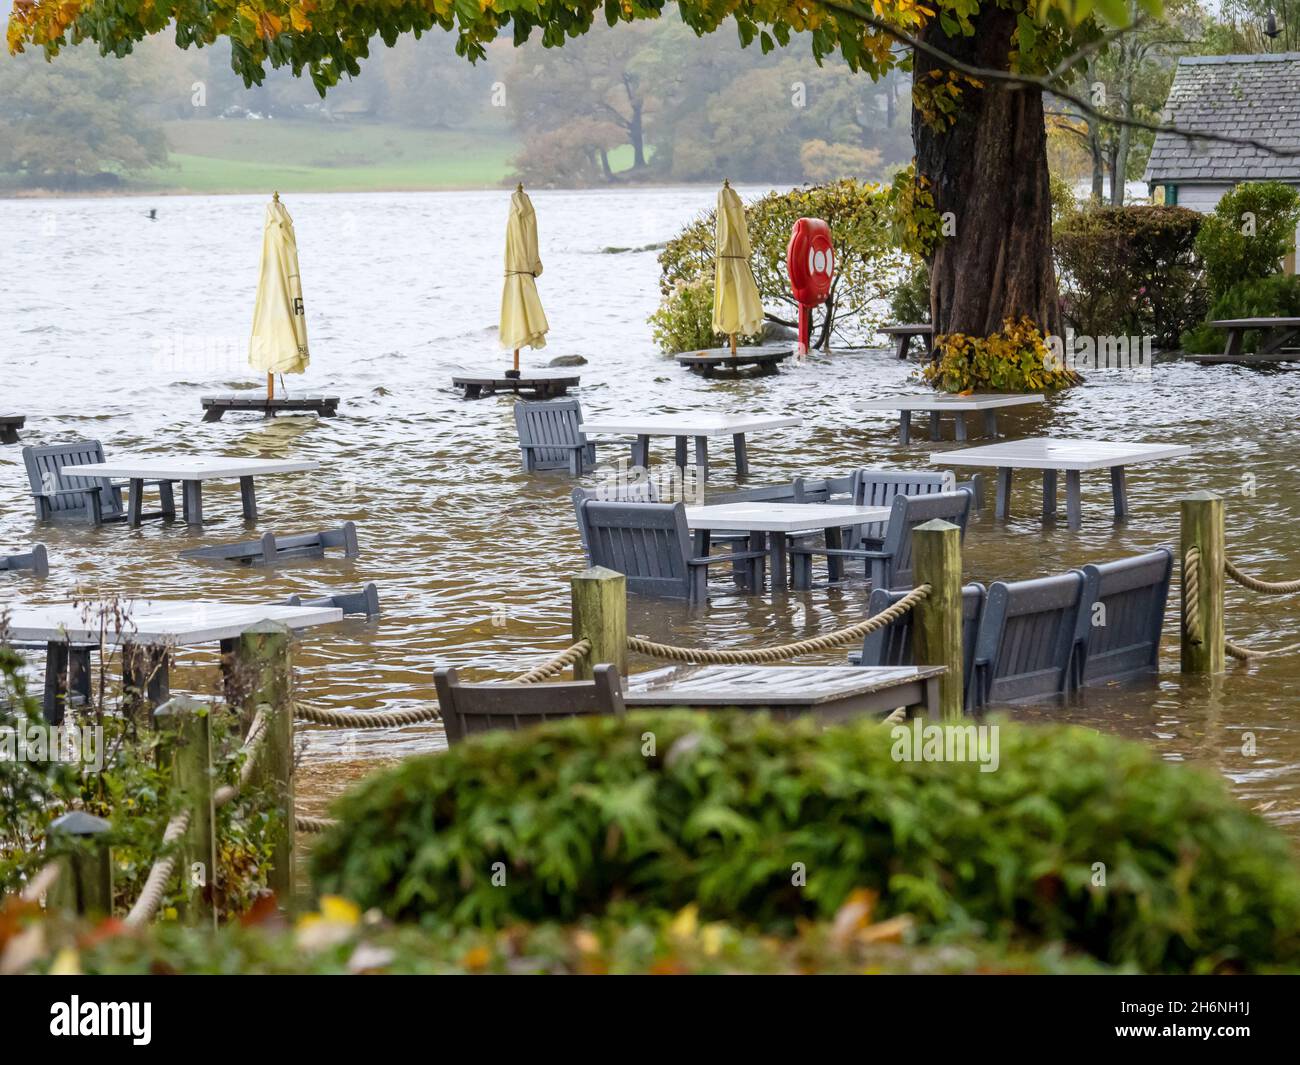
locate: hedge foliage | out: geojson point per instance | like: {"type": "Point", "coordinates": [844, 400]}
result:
{"type": "Point", "coordinates": [1130, 271]}
{"type": "Point", "coordinates": [1014, 359]}
{"type": "Point", "coordinates": [1252, 229]}
{"type": "Point", "coordinates": [653, 813]}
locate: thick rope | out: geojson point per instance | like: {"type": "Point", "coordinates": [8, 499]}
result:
{"type": "Point", "coordinates": [1191, 595]}
{"type": "Point", "coordinates": [789, 650]}
{"type": "Point", "coordinates": [313, 824]}
{"type": "Point", "coordinates": [41, 883]}
{"type": "Point", "coordinates": [362, 718]}
{"type": "Point", "coordinates": [558, 664]}
{"type": "Point", "coordinates": [256, 732]}
{"type": "Point", "coordinates": [146, 906]}
{"type": "Point", "coordinates": [1245, 654]}
{"type": "Point", "coordinates": [1256, 585]}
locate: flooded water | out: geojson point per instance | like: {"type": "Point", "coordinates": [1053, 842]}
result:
{"type": "Point", "coordinates": [113, 326]}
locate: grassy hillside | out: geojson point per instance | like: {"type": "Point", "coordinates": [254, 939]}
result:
{"type": "Point", "coordinates": [244, 155]}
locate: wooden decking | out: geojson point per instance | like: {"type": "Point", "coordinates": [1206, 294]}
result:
{"type": "Point", "coordinates": [9, 426]}
{"type": "Point", "coordinates": [763, 359]}
{"type": "Point", "coordinates": [538, 385]}
{"type": "Point", "coordinates": [216, 406]}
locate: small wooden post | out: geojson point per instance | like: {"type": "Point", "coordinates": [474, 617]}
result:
{"type": "Point", "coordinates": [85, 886]}
{"type": "Point", "coordinates": [937, 638]}
{"type": "Point", "coordinates": [185, 733]}
{"type": "Point", "coordinates": [262, 659]}
{"type": "Point", "coordinates": [1201, 650]}
{"type": "Point", "coordinates": [600, 615]}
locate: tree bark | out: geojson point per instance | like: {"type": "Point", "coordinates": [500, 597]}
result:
{"type": "Point", "coordinates": [989, 169]}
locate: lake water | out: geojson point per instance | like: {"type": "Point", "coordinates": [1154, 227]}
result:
{"type": "Point", "coordinates": [113, 326]}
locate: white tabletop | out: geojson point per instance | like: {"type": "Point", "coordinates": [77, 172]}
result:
{"type": "Point", "coordinates": [948, 401]}
{"type": "Point", "coordinates": [146, 622]}
{"type": "Point", "coordinates": [781, 517]}
{"type": "Point", "coordinates": [1056, 453]}
{"type": "Point", "coordinates": [188, 469]}
{"type": "Point", "coordinates": [700, 423]}
{"type": "Point", "coordinates": [736, 685]}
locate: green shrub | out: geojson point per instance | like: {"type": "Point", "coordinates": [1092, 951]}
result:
{"type": "Point", "coordinates": [1015, 359]}
{"type": "Point", "coordinates": [1266, 297]}
{"type": "Point", "coordinates": [1251, 230]}
{"type": "Point", "coordinates": [1130, 271]}
{"type": "Point", "coordinates": [911, 299]}
{"type": "Point", "coordinates": [684, 319]}
{"type": "Point", "coordinates": [585, 817]}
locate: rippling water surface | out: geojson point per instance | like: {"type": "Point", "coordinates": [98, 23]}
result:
{"type": "Point", "coordinates": [113, 327]}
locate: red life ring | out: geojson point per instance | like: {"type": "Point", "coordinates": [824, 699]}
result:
{"type": "Point", "coordinates": [810, 262]}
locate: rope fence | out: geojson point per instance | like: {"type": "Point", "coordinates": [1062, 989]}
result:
{"type": "Point", "coordinates": [155, 884]}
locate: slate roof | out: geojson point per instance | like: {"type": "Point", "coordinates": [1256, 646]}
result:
{"type": "Point", "coordinates": [1256, 96]}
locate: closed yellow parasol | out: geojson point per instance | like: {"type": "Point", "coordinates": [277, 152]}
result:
{"type": "Point", "coordinates": [523, 322]}
{"type": "Point", "coordinates": [737, 307]}
{"type": "Point", "coordinates": [279, 340]}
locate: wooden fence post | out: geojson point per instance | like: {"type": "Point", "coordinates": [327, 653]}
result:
{"type": "Point", "coordinates": [600, 615]}
{"type": "Point", "coordinates": [85, 885]}
{"type": "Point", "coordinates": [262, 658]}
{"type": "Point", "coordinates": [937, 638]}
{"type": "Point", "coordinates": [185, 734]}
{"type": "Point", "coordinates": [1201, 623]}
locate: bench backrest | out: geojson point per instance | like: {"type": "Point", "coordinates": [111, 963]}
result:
{"type": "Point", "coordinates": [841, 488]}
{"type": "Point", "coordinates": [45, 466]}
{"type": "Point", "coordinates": [365, 601]}
{"type": "Point", "coordinates": [1124, 614]}
{"type": "Point", "coordinates": [549, 429]}
{"type": "Point", "coordinates": [626, 491]}
{"type": "Point", "coordinates": [892, 645]}
{"type": "Point", "coordinates": [771, 493]}
{"type": "Point", "coordinates": [468, 709]}
{"type": "Point", "coordinates": [1027, 643]}
{"type": "Point", "coordinates": [36, 560]}
{"type": "Point", "coordinates": [648, 542]}
{"type": "Point", "coordinates": [877, 488]}
{"type": "Point", "coordinates": [909, 511]}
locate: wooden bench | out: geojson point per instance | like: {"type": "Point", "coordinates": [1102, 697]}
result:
{"type": "Point", "coordinates": [271, 549]}
{"type": "Point", "coordinates": [9, 426]}
{"type": "Point", "coordinates": [903, 334]}
{"type": "Point", "coordinates": [765, 360]}
{"type": "Point", "coordinates": [1276, 334]}
{"type": "Point", "coordinates": [36, 560]}
{"type": "Point", "coordinates": [59, 492]}
{"type": "Point", "coordinates": [322, 406]}
{"type": "Point", "coordinates": [539, 385]}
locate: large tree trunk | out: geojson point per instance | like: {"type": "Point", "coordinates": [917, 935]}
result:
{"type": "Point", "coordinates": [989, 170]}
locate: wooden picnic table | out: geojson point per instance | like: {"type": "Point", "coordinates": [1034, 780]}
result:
{"type": "Point", "coordinates": [988, 403]}
{"type": "Point", "coordinates": [903, 334]}
{"type": "Point", "coordinates": [764, 359]}
{"type": "Point", "coordinates": [146, 631]}
{"type": "Point", "coordinates": [776, 523]}
{"type": "Point", "coordinates": [215, 406]}
{"type": "Point", "coordinates": [1051, 454]}
{"type": "Point", "coordinates": [9, 426]}
{"type": "Point", "coordinates": [700, 425]}
{"type": "Point", "coordinates": [538, 383]}
{"type": "Point", "coordinates": [1276, 334]}
{"type": "Point", "coordinates": [191, 472]}
{"type": "Point", "coordinates": [832, 693]}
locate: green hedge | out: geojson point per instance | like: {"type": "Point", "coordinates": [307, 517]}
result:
{"type": "Point", "coordinates": [573, 819]}
{"type": "Point", "coordinates": [1130, 271]}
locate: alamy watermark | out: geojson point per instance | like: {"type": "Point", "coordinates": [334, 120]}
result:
{"type": "Point", "coordinates": [75, 744]}
{"type": "Point", "coordinates": [916, 741]}
{"type": "Point", "coordinates": [1129, 354]}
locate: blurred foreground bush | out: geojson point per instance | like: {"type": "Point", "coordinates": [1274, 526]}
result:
{"type": "Point", "coordinates": [1077, 838]}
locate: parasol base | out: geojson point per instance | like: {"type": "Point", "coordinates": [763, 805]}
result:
{"type": "Point", "coordinates": [761, 359]}
{"type": "Point", "coordinates": [322, 406]}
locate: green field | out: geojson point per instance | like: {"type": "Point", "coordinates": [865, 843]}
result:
{"type": "Point", "coordinates": [243, 155]}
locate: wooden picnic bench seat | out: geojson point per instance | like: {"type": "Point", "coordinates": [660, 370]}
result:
{"type": "Point", "coordinates": [468, 709]}
{"type": "Point", "coordinates": [271, 549]}
{"type": "Point", "coordinates": [766, 360]}
{"type": "Point", "coordinates": [549, 438]}
{"type": "Point", "coordinates": [9, 426]}
{"type": "Point", "coordinates": [1276, 336]}
{"type": "Point", "coordinates": [96, 501]}
{"type": "Point", "coordinates": [364, 602]}
{"type": "Point", "coordinates": [650, 544]}
{"type": "Point", "coordinates": [538, 385]}
{"type": "Point", "coordinates": [903, 334]}
{"type": "Point", "coordinates": [216, 406]}
{"type": "Point", "coordinates": [37, 560]}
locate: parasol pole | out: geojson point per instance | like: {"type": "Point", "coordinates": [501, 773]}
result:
{"type": "Point", "coordinates": [270, 377]}
{"type": "Point", "coordinates": [516, 360]}
{"type": "Point", "coordinates": [732, 338]}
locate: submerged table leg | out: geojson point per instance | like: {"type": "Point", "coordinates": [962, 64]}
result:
{"type": "Point", "coordinates": [168, 499]}
{"type": "Point", "coordinates": [249, 498]}
{"type": "Point", "coordinates": [1073, 499]}
{"type": "Point", "coordinates": [834, 564]}
{"type": "Point", "coordinates": [1002, 505]}
{"type": "Point", "coordinates": [742, 455]}
{"type": "Point", "coordinates": [934, 425]}
{"type": "Point", "coordinates": [679, 455]}
{"type": "Point", "coordinates": [991, 424]}
{"type": "Point", "coordinates": [134, 502]}
{"type": "Point", "coordinates": [776, 549]}
{"type": "Point", "coordinates": [1049, 494]}
{"type": "Point", "coordinates": [961, 424]}
{"type": "Point", "coordinates": [641, 451]}
{"type": "Point", "coordinates": [905, 427]}
{"type": "Point", "coordinates": [702, 454]}
{"type": "Point", "coordinates": [1119, 492]}
{"type": "Point", "coordinates": [192, 501]}
{"type": "Point", "coordinates": [56, 682]}
{"type": "Point", "coordinates": [145, 676]}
